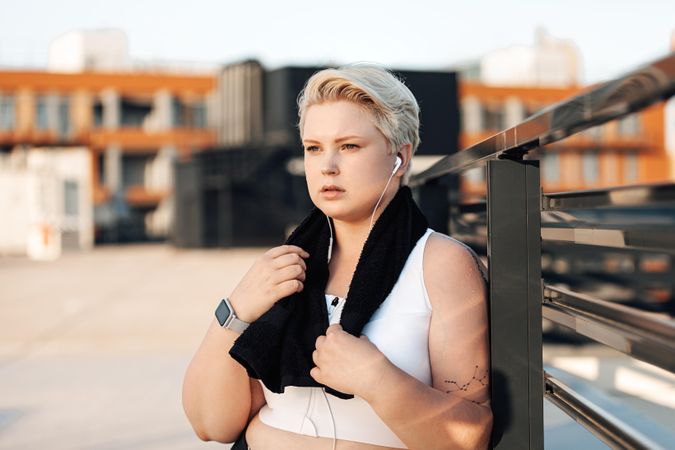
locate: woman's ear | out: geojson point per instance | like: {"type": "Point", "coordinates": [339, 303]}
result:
{"type": "Point", "coordinates": [405, 153]}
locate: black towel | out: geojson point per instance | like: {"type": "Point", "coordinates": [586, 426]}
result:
{"type": "Point", "coordinates": [277, 348]}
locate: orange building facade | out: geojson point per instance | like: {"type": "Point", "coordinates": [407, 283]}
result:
{"type": "Point", "coordinates": [134, 125]}
{"type": "Point", "coordinates": [627, 151]}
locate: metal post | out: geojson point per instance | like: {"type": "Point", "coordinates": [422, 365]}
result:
{"type": "Point", "coordinates": [514, 254]}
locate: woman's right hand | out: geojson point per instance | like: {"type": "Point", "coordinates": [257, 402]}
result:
{"type": "Point", "coordinates": [279, 273]}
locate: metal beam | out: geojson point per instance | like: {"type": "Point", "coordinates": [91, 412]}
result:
{"type": "Point", "coordinates": [636, 333]}
{"type": "Point", "coordinates": [602, 424]}
{"type": "Point", "coordinates": [644, 195]}
{"type": "Point", "coordinates": [515, 304]}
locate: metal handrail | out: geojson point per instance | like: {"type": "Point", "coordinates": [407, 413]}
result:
{"type": "Point", "coordinates": [608, 101]}
{"type": "Point", "coordinates": [606, 427]}
{"type": "Point", "coordinates": [655, 239]}
{"type": "Point", "coordinates": [636, 333]}
{"type": "Point", "coordinates": [643, 195]}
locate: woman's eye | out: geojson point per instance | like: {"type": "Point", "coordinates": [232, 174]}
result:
{"type": "Point", "coordinates": [311, 148]}
{"type": "Point", "coordinates": [350, 146]}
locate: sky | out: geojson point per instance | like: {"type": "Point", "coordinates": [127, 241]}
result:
{"type": "Point", "coordinates": [613, 37]}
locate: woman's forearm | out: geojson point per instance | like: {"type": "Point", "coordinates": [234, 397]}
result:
{"type": "Point", "coordinates": [216, 390]}
{"type": "Point", "coordinates": [426, 418]}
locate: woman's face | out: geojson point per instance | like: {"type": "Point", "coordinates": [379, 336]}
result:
{"type": "Point", "coordinates": [347, 163]}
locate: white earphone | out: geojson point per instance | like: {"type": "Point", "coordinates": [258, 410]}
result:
{"type": "Point", "coordinates": [397, 164]}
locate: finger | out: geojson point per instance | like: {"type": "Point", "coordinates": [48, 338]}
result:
{"type": "Point", "coordinates": [319, 341]}
{"type": "Point", "coordinates": [289, 287]}
{"type": "Point", "coordinates": [315, 373]}
{"type": "Point", "coordinates": [315, 357]}
{"type": "Point", "coordinates": [364, 337]}
{"type": "Point", "coordinates": [294, 272]}
{"type": "Point", "coordinates": [283, 249]}
{"type": "Point", "coordinates": [335, 328]}
{"type": "Point", "coordinates": [288, 259]}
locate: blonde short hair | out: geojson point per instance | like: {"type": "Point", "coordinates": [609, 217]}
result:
{"type": "Point", "coordinates": [394, 108]}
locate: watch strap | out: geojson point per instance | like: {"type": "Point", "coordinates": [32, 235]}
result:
{"type": "Point", "coordinates": [236, 324]}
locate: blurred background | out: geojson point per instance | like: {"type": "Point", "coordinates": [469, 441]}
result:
{"type": "Point", "coordinates": [149, 154]}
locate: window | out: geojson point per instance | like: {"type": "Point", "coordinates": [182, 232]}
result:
{"type": "Point", "coordinates": [594, 133]}
{"type": "Point", "coordinates": [630, 167]}
{"type": "Point", "coordinates": [471, 120]}
{"type": "Point", "coordinates": [177, 113]}
{"type": "Point", "coordinates": [629, 125]}
{"type": "Point", "coordinates": [199, 114]}
{"type": "Point", "coordinates": [98, 114]}
{"type": "Point", "coordinates": [7, 114]}
{"type": "Point", "coordinates": [550, 165]}
{"type": "Point", "coordinates": [41, 113]}
{"type": "Point", "coordinates": [590, 166]}
{"type": "Point", "coordinates": [70, 193]}
{"type": "Point", "coordinates": [64, 117]}
{"type": "Point", "coordinates": [133, 111]}
{"type": "Point", "coordinates": [188, 114]}
{"type": "Point", "coordinates": [101, 168]}
{"type": "Point", "coordinates": [493, 118]}
{"type": "Point", "coordinates": [134, 169]}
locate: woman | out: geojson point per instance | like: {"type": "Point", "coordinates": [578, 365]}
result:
{"type": "Point", "coordinates": [368, 329]}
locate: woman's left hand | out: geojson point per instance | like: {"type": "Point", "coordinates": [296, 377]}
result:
{"type": "Point", "coordinates": [346, 363]}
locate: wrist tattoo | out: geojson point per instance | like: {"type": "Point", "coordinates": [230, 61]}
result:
{"type": "Point", "coordinates": [454, 386]}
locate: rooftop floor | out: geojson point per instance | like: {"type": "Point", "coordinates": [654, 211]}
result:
{"type": "Point", "coordinates": [93, 348]}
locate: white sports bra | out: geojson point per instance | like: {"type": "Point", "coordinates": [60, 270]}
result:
{"type": "Point", "coordinates": [400, 329]}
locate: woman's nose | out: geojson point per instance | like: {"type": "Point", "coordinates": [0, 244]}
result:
{"type": "Point", "coordinates": [330, 168]}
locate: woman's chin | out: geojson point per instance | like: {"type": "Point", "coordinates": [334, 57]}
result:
{"type": "Point", "coordinates": [342, 209]}
{"type": "Point", "coordinates": [343, 214]}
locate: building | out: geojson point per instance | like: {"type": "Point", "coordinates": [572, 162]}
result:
{"type": "Point", "coordinates": [46, 198]}
{"type": "Point", "coordinates": [136, 121]}
{"type": "Point", "coordinates": [507, 85]}
{"type": "Point", "coordinates": [133, 124]}
{"type": "Point", "coordinates": [627, 151]}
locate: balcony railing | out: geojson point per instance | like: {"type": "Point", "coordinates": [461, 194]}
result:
{"type": "Point", "coordinates": [517, 225]}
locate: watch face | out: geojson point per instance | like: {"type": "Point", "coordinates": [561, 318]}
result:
{"type": "Point", "coordinates": [222, 312]}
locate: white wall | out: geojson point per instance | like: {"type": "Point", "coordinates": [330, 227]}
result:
{"type": "Point", "coordinates": [549, 62]}
{"type": "Point", "coordinates": [79, 50]}
{"type": "Point", "coordinates": [35, 221]}
{"type": "Point", "coordinates": [15, 210]}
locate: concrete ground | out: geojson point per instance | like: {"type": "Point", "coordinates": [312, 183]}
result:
{"type": "Point", "coordinates": [93, 348]}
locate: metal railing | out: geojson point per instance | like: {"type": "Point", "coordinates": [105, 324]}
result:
{"type": "Point", "coordinates": [517, 224]}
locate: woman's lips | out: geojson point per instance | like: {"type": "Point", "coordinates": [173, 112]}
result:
{"type": "Point", "coordinates": [331, 191]}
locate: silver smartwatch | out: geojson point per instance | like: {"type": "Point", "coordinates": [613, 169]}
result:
{"type": "Point", "coordinates": [228, 319]}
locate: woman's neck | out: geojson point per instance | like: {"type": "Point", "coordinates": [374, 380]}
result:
{"type": "Point", "coordinates": [350, 237]}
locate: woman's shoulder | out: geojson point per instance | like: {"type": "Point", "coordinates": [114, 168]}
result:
{"type": "Point", "coordinates": [441, 248]}
{"type": "Point", "coordinates": [450, 266]}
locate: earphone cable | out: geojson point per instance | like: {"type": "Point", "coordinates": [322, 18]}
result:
{"type": "Point", "coordinates": [372, 216]}
{"type": "Point", "coordinates": [332, 419]}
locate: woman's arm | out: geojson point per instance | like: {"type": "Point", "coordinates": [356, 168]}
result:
{"type": "Point", "coordinates": [216, 390]}
{"type": "Point", "coordinates": [454, 412]}
{"type": "Point", "coordinates": [218, 396]}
